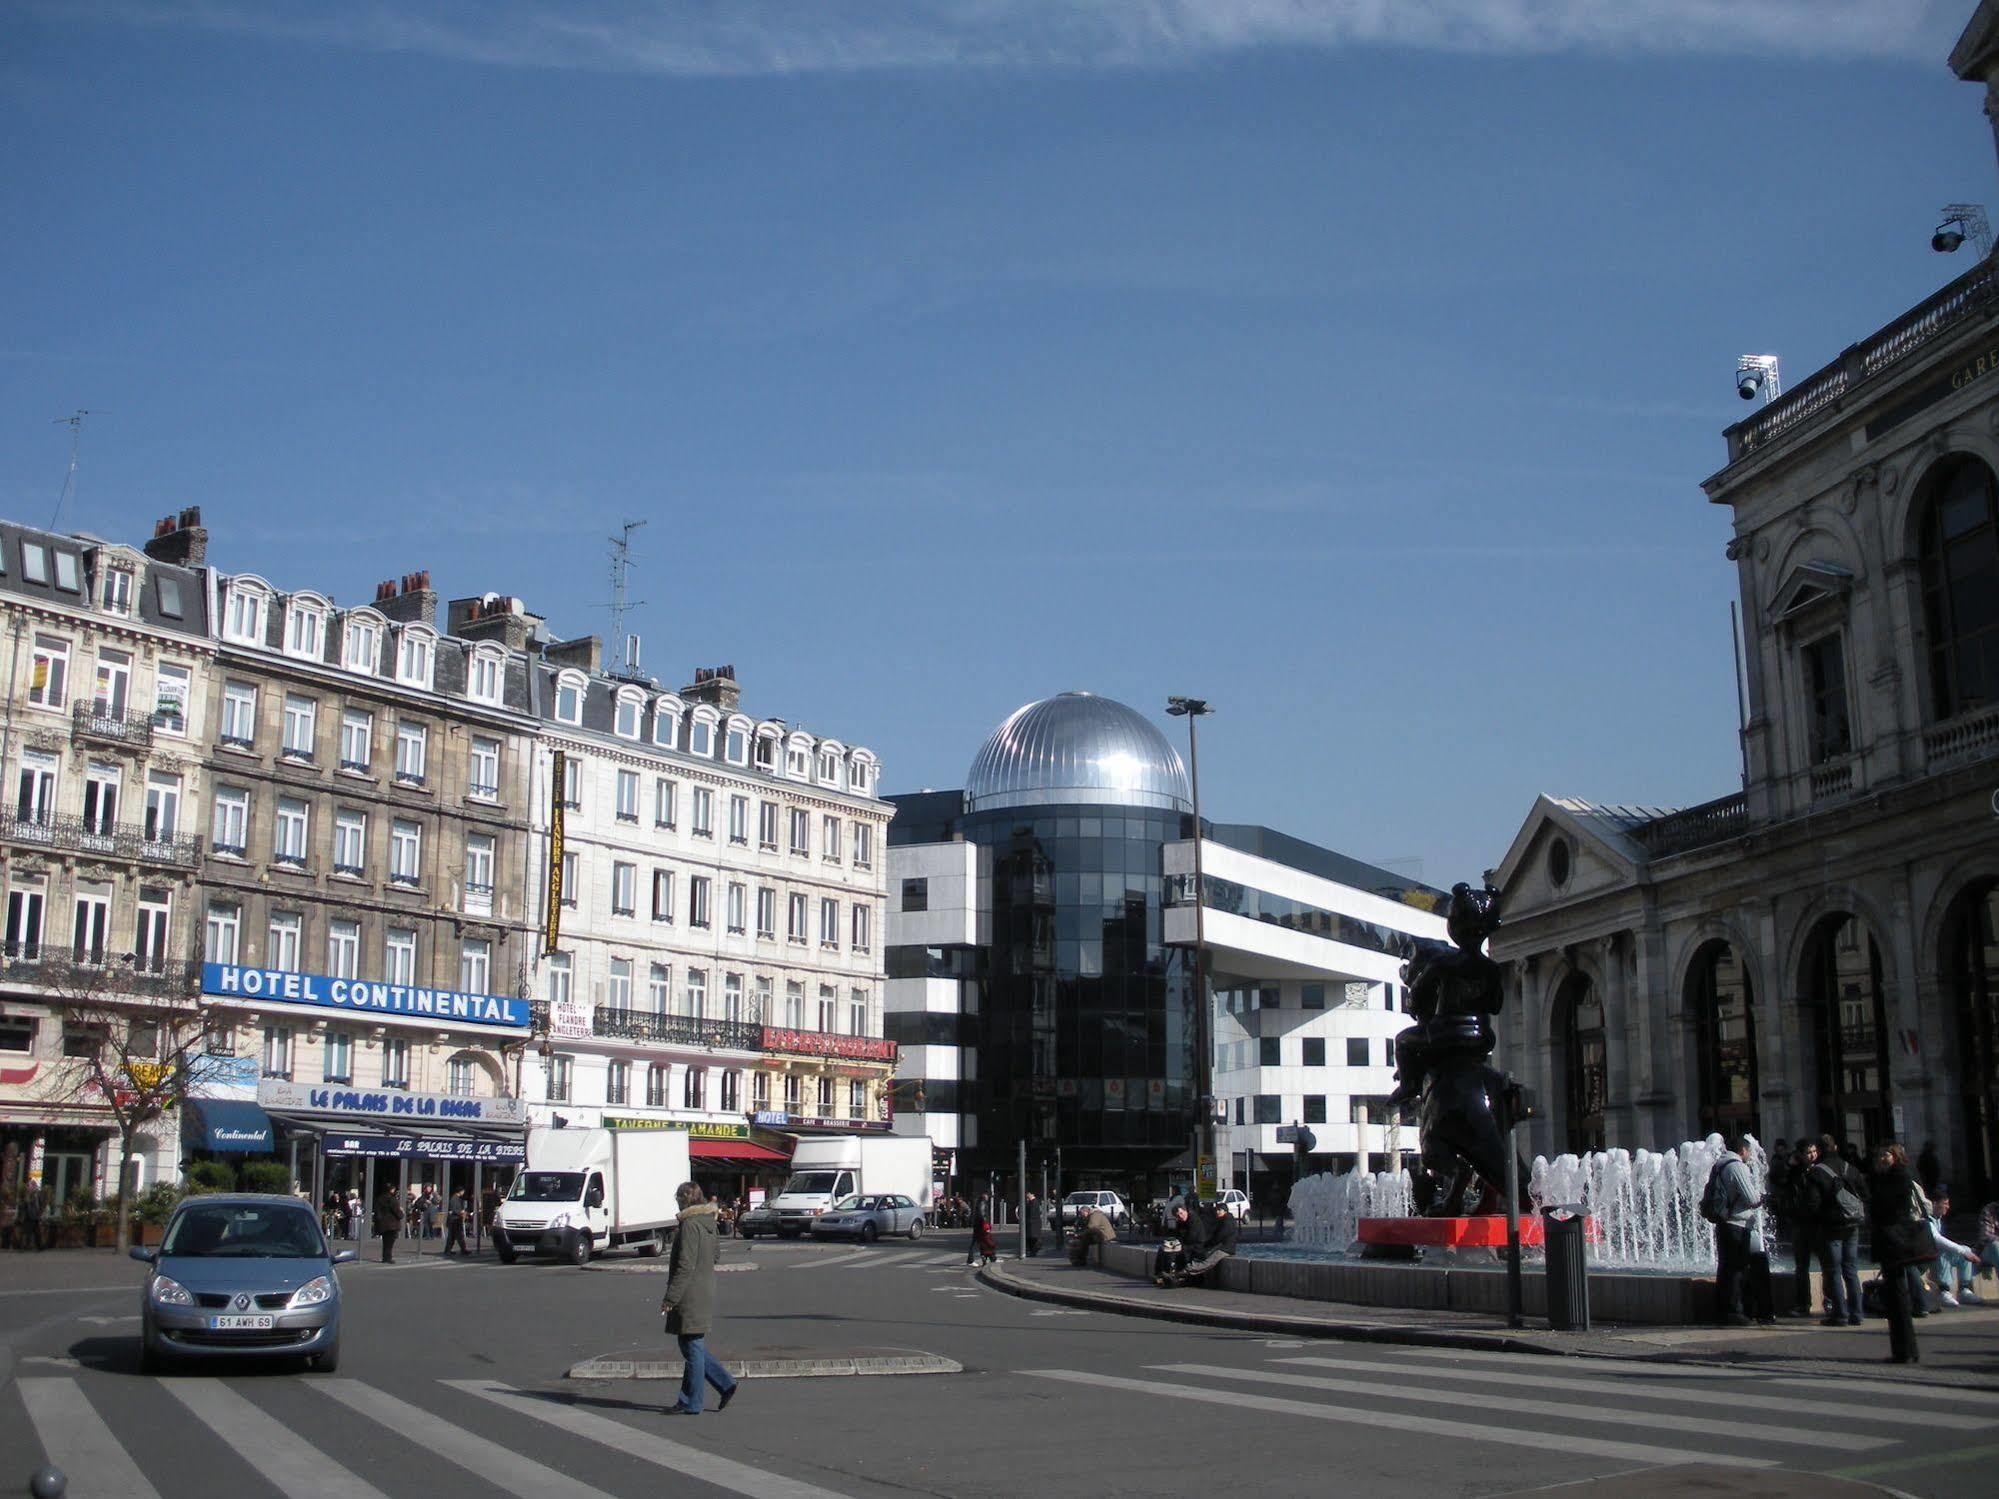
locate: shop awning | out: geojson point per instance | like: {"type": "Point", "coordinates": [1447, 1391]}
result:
{"type": "Point", "coordinates": [714, 1152]}
{"type": "Point", "coordinates": [229, 1125]}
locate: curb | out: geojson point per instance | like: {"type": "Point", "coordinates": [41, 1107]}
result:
{"type": "Point", "coordinates": [773, 1368]}
{"type": "Point", "coordinates": [1270, 1322]}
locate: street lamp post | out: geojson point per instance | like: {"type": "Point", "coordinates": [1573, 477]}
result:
{"type": "Point", "coordinates": [1192, 709]}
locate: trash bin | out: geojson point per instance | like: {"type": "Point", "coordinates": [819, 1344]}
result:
{"type": "Point", "coordinates": [1568, 1269]}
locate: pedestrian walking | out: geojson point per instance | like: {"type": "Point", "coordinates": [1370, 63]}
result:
{"type": "Point", "coordinates": [689, 1303]}
{"type": "Point", "coordinates": [1032, 1219]}
{"type": "Point", "coordinates": [1731, 1203]}
{"type": "Point", "coordinates": [388, 1221]}
{"type": "Point", "coordinates": [1835, 1199]}
{"type": "Point", "coordinates": [1902, 1241]}
{"type": "Point", "coordinates": [455, 1214]}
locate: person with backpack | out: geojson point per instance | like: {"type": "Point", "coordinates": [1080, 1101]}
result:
{"type": "Point", "coordinates": [1899, 1214]}
{"type": "Point", "coordinates": [1798, 1216]}
{"type": "Point", "coordinates": [1732, 1204]}
{"type": "Point", "coordinates": [1835, 1197]}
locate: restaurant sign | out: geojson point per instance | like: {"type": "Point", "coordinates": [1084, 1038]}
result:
{"type": "Point", "coordinates": [366, 996]}
{"type": "Point", "coordinates": [697, 1129]}
{"type": "Point", "coordinates": [826, 1044]}
{"type": "Point", "coordinates": [421, 1148]}
{"type": "Point", "coordinates": [389, 1103]}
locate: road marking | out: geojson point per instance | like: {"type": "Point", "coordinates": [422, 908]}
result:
{"type": "Point", "coordinates": [109, 1321]}
{"type": "Point", "coordinates": [1064, 1312]}
{"type": "Point", "coordinates": [53, 1360]}
{"type": "Point", "coordinates": [74, 1290]}
{"type": "Point", "coordinates": [837, 1259]}
{"type": "Point", "coordinates": [1568, 1410]}
{"type": "Point", "coordinates": [878, 1259]}
{"type": "Point", "coordinates": [286, 1461]}
{"type": "Point", "coordinates": [1913, 1389]}
{"type": "Point", "coordinates": [1918, 1460]}
{"type": "Point", "coordinates": [1736, 1399]}
{"type": "Point", "coordinates": [1545, 1443]}
{"type": "Point", "coordinates": [480, 1456]}
{"type": "Point", "coordinates": [675, 1457]}
{"type": "Point", "coordinates": [1613, 1368]}
{"type": "Point", "coordinates": [76, 1440]}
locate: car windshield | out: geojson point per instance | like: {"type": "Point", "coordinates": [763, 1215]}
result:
{"type": "Point", "coordinates": [812, 1182]}
{"type": "Point", "coordinates": [547, 1186]}
{"type": "Point", "coordinates": [243, 1231]}
{"type": "Point", "coordinates": [1080, 1199]}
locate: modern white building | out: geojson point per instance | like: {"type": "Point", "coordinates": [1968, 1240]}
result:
{"type": "Point", "coordinates": [1040, 977]}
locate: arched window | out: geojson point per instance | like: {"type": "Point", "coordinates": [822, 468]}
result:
{"type": "Point", "coordinates": [1719, 997]}
{"type": "Point", "coordinates": [1850, 1027]}
{"type": "Point", "coordinates": [1960, 566]}
{"type": "Point", "coordinates": [1585, 1075]}
{"type": "Point", "coordinates": [1971, 977]}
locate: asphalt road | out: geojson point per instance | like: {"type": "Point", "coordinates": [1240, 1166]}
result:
{"type": "Point", "coordinates": [453, 1382]}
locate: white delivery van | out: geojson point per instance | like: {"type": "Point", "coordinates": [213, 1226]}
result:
{"type": "Point", "coordinates": [825, 1170]}
{"type": "Point", "coordinates": [583, 1191]}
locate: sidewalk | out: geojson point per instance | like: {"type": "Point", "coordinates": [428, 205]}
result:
{"type": "Point", "coordinates": [1958, 1347]}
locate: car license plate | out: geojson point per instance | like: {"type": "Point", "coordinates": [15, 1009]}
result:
{"type": "Point", "coordinates": [241, 1324]}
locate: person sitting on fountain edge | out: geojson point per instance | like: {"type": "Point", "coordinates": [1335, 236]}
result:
{"type": "Point", "coordinates": [1220, 1241]}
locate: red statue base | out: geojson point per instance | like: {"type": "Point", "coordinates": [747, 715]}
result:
{"type": "Point", "coordinates": [1486, 1231]}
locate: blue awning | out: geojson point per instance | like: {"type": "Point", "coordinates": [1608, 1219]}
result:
{"type": "Point", "coordinates": [230, 1125]}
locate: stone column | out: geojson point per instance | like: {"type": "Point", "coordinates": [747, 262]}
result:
{"type": "Point", "coordinates": [1661, 1050]}
{"type": "Point", "coordinates": [1620, 1111]}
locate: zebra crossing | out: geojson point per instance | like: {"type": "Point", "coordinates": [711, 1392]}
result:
{"type": "Point", "coordinates": [74, 1426]}
{"type": "Point", "coordinates": [922, 1261]}
{"type": "Point", "coordinates": [1626, 1413]}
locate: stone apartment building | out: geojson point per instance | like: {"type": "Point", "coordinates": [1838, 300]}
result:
{"type": "Point", "coordinates": [106, 668]}
{"type": "Point", "coordinates": [1819, 950]}
{"type": "Point", "coordinates": [363, 917]}
{"type": "Point", "coordinates": [719, 955]}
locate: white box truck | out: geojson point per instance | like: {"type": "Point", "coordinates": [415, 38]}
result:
{"type": "Point", "coordinates": [825, 1170]}
{"type": "Point", "coordinates": [583, 1191]}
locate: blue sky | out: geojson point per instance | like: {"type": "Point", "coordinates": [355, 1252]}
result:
{"type": "Point", "coordinates": [1352, 365]}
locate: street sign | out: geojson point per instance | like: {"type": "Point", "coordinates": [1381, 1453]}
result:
{"type": "Point", "coordinates": [1287, 1134]}
{"type": "Point", "coordinates": [1204, 1176]}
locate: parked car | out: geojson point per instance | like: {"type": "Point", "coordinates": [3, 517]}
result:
{"type": "Point", "coordinates": [1078, 1205]}
{"type": "Point", "coordinates": [1236, 1201]}
{"type": "Point", "coordinates": [869, 1216]}
{"type": "Point", "coordinates": [241, 1275]}
{"type": "Point", "coordinates": [759, 1220]}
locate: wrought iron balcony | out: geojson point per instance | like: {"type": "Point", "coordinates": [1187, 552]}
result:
{"type": "Point", "coordinates": [106, 975]}
{"type": "Point", "coordinates": [679, 1030]}
{"type": "Point", "coordinates": [104, 839]}
{"type": "Point", "coordinates": [93, 720]}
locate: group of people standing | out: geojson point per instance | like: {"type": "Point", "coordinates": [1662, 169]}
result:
{"type": "Point", "coordinates": [395, 1217]}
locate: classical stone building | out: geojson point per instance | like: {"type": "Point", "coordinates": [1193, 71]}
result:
{"type": "Point", "coordinates": [107, 663]}
{"type": "Point", "coordinates": [717, 960]}
{"type": "Point", "coordinates": [364, 916]}
{"type": "Point", "coordinates": [1820, 950]}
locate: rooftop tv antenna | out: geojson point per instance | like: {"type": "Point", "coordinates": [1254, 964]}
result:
{"type": "Point", "coordinates": [75, 425]}
{"type": "Point", "coordinates": [621, 603]}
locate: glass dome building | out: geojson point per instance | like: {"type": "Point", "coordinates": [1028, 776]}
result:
{"type": "Point", "coordinates": [1080, 1016]}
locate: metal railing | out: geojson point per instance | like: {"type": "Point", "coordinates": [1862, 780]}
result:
{"type": "Point", "coordinates": [1695, 827]}
{"type": "Point", "coordinates": [109, 975]}
{"type": "Point", "coordinates": [107, 840]}
{"type": "Point", "coordinates": [1971, 295]}
{"type": "Point", "coordinates": [120, 726]}
{"type": "Point", "coordinates": [681, 1030]}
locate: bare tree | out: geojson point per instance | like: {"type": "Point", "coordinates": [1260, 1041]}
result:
{"type": "Point", "coordinates": [133, 1034]}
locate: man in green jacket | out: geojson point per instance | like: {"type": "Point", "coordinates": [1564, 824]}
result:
{"type": "Point", "coordinates": [689, 1303]}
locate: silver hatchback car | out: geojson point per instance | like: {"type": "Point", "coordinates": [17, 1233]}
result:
{"type": "Point", "coordinates": [240, 1275]}
{"type": "Point", "coordinates": [869, 1216]}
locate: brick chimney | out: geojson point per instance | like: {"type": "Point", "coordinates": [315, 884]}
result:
{"type": "Point", "coordinates": [585, 653]}
{"type": "Point", "coordinates": [179, 539]}
{"type": "Point", "coordinates": [714, 684]}
{"type": "Point", "coordinates": [492, 616]}
{"type": "Point", "coordinates": [411, 602]}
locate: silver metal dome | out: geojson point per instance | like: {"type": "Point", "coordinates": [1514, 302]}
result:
{"type": "Point", "coordinates": [1072, 749]}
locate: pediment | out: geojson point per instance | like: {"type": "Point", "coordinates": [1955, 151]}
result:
{"type": "Point", "coordinates": [1810, 587]}
{"type": "Point", "coordinates": [1598, 853]}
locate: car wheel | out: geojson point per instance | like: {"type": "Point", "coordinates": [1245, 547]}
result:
{"type": "Point", "coordinates": [327, 1360]}
{"type": "Point", "coordinates": [505, 1252]}
{"type": "Point", "coordinates": [916, 1229]}
{"type": "Point", "coordinates": [869, 1233]}
{"type": "Point", "coordinates": [579, 1249]}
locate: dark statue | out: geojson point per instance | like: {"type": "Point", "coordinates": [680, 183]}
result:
{"type": "Point", "coordinates": [1465, 1107]}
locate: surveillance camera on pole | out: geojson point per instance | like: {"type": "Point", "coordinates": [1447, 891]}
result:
{"type": "Point", "coordinates": [1757, 374]}
{"type": "Point", "coordinates": [1962, 221]}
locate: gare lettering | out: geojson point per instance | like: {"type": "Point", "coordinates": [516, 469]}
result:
{"type": "Point", "coordinates": [1984, 364]}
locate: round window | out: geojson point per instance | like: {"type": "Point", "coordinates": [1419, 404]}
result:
{"type": "Point", "coordinates": [1558, 862]}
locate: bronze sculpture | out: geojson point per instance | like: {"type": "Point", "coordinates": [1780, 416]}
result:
{"type": "Point", "coordinates": [1465, 1106]}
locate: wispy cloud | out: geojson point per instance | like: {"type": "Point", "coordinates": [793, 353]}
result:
{"type": "Point", "coordinates": [721, 38]}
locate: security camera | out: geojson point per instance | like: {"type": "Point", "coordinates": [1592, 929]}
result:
{"type": "Point", "coordinates": [1746, 387]}
{"type": "Point", "coordinates": [1946, 240]}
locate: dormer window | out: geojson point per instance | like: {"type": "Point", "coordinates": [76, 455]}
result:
{"type": "Point", "coordinates": [416, 653]}
{"type": "Point", "coordinates": [766, 752]}
{"type": "Point", "coordinates": [860, 775]}
{"type": "Point", "coordinates": [798, 761]}
{"type": "Point", "coordinates": [665, 726]}
{"type": "Point", "coordinates": [737, 746]}
{"type": "Point", "coordinates": [829, 767]}
{"type": "Point", "coordinates": [484, 674]}
{"type": "Point", "coordinates": [243, 614]}
{"type": "Point", "coordinates": [117, 591]}
{"type": "Point", "coordinates": [630, 710]}
{"type": "Point", "coordinates": [569, 698]}
{"type": "Point", "coordinates": [305, 630]}
{"type": "Point", "coordinates": [701, 737]}
{"type": "Point", "coordinates": [361, 645]}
